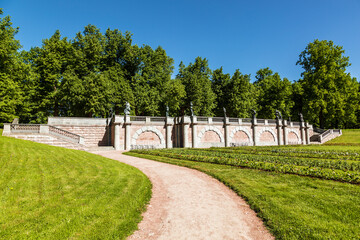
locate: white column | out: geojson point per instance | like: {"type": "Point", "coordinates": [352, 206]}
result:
{"type": "Point", "coordinates": [307, 134]}
{"type": "Point", "coordinates": [117, 137]}
{"type": "Point", "coordinates": [194, 132]}
{"type": "Point", "coordinates": [127, 133]}
{"type": "Point", "coordinates": [7, 129]}
{"type": "Point", "coordinates": [254, 123]}
{"type": "Point", "coordinates": [169, 128]}
{"type": "Point", "coordinates": [226, 130]}
{"type": "Point", "coordinates": [44, 129]}
{"type": "Point", "coordinates": [284, 133]}
{"type": "Point", "coordinates": [302, 126]}
{"type": "Point", "coordinates": [278, 126]}
{"type": "Point", "coordinates": [186, 123]}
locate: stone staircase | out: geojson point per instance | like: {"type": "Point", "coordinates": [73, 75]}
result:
{"type": "Point", "coordinates": [321, 136]}
{"type": "Point", "coordinates": [61, 136]}
{"type": "Point", "coordinates": [93, 136]}
{"type": "Point", "coordinates": [49, 140]}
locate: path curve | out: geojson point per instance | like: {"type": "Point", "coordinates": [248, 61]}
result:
{"type": "Point", "coordinates": [188, 204]}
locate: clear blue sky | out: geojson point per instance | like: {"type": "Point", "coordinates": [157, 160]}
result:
{"type": "Point", "coordinates": [247, 35]}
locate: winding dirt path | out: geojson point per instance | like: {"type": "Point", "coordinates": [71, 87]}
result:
{"type": "Point", "coordinates": [188, 204]}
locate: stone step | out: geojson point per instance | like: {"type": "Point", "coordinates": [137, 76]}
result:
{"type": "Point", "coordinates": [49, 140]}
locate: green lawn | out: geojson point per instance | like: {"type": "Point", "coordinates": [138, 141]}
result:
{"type": "Point", "coordinates": [349, 136]}
{"type": "Point", "coordinates": [55, 193]}
{"type": "Point", "coordinates": [292, 206]}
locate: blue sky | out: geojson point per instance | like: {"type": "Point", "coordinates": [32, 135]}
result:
{"type": "Point", "coordinates": [245, 35]}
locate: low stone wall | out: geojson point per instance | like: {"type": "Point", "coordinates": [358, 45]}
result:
{"type": "Point", "coordinates": [204, 132]}
{"type": "Point", "coordinates": [95, 131]}
{"type": "Point", "coordinates": [136, 132]}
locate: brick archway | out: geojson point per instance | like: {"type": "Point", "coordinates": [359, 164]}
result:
{"type": "Point", "coordinates": [149, 129]}
{"type": "Point", "coordinates": [238, 129]}
{"type": "Point", "coordinates": [210, 128]}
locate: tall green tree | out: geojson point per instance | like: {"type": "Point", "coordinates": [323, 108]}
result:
{"type": "Point", "coordinates": [220, 86]}
{"type": "Point", "coordinates": [242, 95]}
{"type": "Point", "coordinates": [151, 80]}
{"type": "Point", "coordinates": [330, 94]}
{"type": "Point", "coordinates": [274, 94]}
{"type": "Point", "coordinates": [174, 96]}
{"type": "Point", "coordinates": [196, 79]}
{"type": "Point", "coordinates": [11, 93]}
{"type": "Point", "coordinates": [50, 63]}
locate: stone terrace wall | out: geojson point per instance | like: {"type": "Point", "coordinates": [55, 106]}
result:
{"type": "Point", "coordinates": [95, 131]}
{"type": "Point", "coordinates": [132, 132]}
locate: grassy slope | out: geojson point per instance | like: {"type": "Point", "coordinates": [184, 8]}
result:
{"type": "Point", "coordinates": [293, 207]}
{"type": "Point", "coordinates": [55, 193]}
{"type": "Point", "coordinates": [349, 136]}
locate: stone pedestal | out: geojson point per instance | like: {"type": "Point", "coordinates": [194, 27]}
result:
{"type": "Point", "coordinates": [169, 127]}
{"type": "Point", "coordinates": [226, 130]}
{"type": "Point", "coordinates": [186, 124]}
{"type": "Point", "coordinates": [127, 133]}
{"type": "Point", "coordinates": [44, 129]}
{"type": "Point", "coordinates": [279, 132]}
{"type": "Point", "coordinates": [285, 132]}
{"type": "Point", "coordinates": [302, 130]}
{"type": "Point", "coordinates": [194, 132]}
{"type": "Point", "coordinates": [307, 134]}
{"type": "Point", "coordinates": [254, 124]}
{"type": "Point", "coordinates": [117, 137]}
{"type": "Point", "coordinates": [7, 129]}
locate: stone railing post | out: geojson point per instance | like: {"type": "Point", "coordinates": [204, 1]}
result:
{"type": "Point", "coordinates": [279, 132]}
{"type": "Point", "coordinates": [169, 126]}
{"type": "Point", "coordinates": [307, 134]}
{"type": "Point", "coordinates": [186, 123]}
{"type": "Point", "coordinates": [254, 126]}
{"type": "Point", "coordinates": [284, 132]}
{"type": "Point", "coordinates": [226, 130]}
{"type": "Point", "coordinates": [44, 129]}
{"type": "Point", "coordinates": [7, 129]}
{"type": "Point", "coordinates": [302, 130]}
{"type": "Point", "coordinates": [127, 123]}
{"type": "Point", "coordinates": [118, 123]}
{"type": "Point", "coordinates": [194, 131]}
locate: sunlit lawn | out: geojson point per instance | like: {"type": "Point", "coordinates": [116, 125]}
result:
{"type": "Point", "coordinates": [55, 193]}
{"type": "Point", "coordinates": [292, 206]}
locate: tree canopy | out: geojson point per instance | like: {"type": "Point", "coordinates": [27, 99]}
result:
{"type": "Point", "coordinates": [330, 95]}
{"type": "Point", "coordinates": [95, 73]}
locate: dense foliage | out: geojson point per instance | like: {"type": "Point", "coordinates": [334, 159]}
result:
{"type": "Point", "coordinates": [96, 72]}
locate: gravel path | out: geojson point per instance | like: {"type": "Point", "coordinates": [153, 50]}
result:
{"type": "Point", "coordinates": [188, 204]}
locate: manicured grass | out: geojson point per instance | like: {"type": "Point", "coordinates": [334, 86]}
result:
{"type": "Point", "coordinates": [55, 193]}
{"type": "Point", "coordinates": [349, 136]}
{"type": "Point", "coordinates": [292, 206]}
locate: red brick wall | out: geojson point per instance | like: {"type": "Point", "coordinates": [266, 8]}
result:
{"type": "Point", "coordinates": [148, 138]}
{"type": "Point", "coordinates": [240, 137]}
{"type": "Point", "coordinates": [210, 136]}
{"type": "Point", "coordinates": [267, 137]}
{"type": "Point", "coordinates": [93, 135]}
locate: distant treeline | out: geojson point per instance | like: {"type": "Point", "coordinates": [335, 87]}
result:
{"type": "Point", "coordinates": [95, 72]}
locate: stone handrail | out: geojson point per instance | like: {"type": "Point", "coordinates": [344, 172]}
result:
{"type": "Point", "coordinates": [25, 128]}
{"type": "Point", "coordinates": [327, 134]}
{"type": "Point", "coordinates": [44, 129]}
{"type": "Point", "coordinates": [65, 134]}
{"type": "Point", "coordinates": [260, 121]}
{"type": "Point", "coordinates": [272, 121]}
{"type": "Point", "coordinates": [137, 118]}
{"type": "Point", "coordinates": [218, 119]}
{"type": "Point", "coordinates": [157, 119]}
